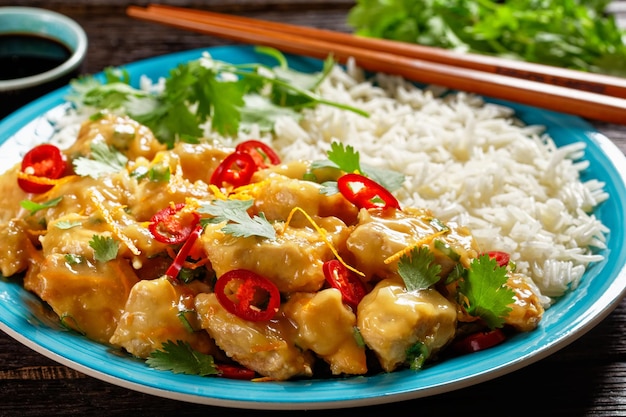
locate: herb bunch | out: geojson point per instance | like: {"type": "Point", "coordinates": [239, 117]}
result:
{"type": "Point", "coordinates": [229, 96]}
{"type": "Point", "coordinates": [576, 34]}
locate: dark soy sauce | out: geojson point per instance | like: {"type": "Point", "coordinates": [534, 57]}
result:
{"type": "Point", "coordinates": [24, 55]}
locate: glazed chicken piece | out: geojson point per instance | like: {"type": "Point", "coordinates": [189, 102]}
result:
{"type": "Point", "coordinates": [198, 161]}
{"type": "Point", "coordinates": [277, 195]}
{"type": "Point", "coordinates": [326, 326]}
{"type": "Point", "coordinates": [121, 132]}
{"type": "Point", "coordinates": [150, 196]}
{"type": "Point", "coordinates": [104, 209]}
{"type": "Point", "coordinates": [527, 309]}
{"type": "Point", "coordinates": [10, 207]}
{"type": "Point", "coordinates": [381, 234]}
{"type": "Point", "coordinates": [392, 319]}
{"type": "Point", "coordinates": [151, 317]}
{"type": "Point", "coordinates": [17, 247]}
{"type": "Point", "coordinates": [268, 347]}
{"type": "Point", "coordinates": [89, 297]}
{"type": "Point", "coordinates": [293, 261]}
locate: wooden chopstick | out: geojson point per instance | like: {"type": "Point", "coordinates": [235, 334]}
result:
{"type": "Point", "coordinates": [554, 97]}
{"type": "Point", "coordinates": [586, 81]}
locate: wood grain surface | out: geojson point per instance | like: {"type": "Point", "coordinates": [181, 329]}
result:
{"type": "Point", "coordinates": [586, 378]}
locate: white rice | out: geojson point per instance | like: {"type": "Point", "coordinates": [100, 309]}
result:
{"type": "Point", "coordinates": [468, 161]}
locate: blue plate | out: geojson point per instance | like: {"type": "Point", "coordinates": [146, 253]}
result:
{"type": "Point", "coordinates": [602, 287]}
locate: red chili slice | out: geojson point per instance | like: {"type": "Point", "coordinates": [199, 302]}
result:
{"type": "Point", "coordinates": [479, 341]}
{"type": "Point", "coordinates": [247, 295]}
{"type": "Point", "coordinates": [236, 170]}
{"type": "Point", "coordinates": [259, 151]}
{"type": "Point", "coordinates": [46, 161]}
{"type": "Point", "coordinates": [502, 258]}
{"type": "Point", "coordinates": [365, 193]}
{"type": "Point", "coordinates": [183, 253]}
{"type": "Point", "coordinates": [235, 372]}
{"type": "Point", "coordinates": [170, 225]}
{"type": "Point", "coordinates": [351, 287]}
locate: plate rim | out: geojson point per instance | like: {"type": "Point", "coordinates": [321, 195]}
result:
{"type": "Point", "coordinates": [597, 311]}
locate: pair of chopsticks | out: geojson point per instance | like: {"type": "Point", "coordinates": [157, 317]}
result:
{"type": "Point", "coordinates": [593, 96]}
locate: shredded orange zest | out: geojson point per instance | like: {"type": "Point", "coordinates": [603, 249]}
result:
{"type": "Point", "coordinates": [409, 248]}
{"type": "Point", "coordinates": [96, 199]}
{"type": "Point", "coordinates": [247, 192]}
{"type": "Point", "coordinates": [217, 192]}
{"type": "Point", "coordinates": [36, 179]}
{"type": "Point", "coordinates": [324, 236]}
{"type": "Point", "coordinates": [195, 265]}
{"type": "Point", "coordinates": [191, 205]}
{"type": "Point", "coordinates": [170, 252]}
{"type": "Point", "coordinates": [44, 180]}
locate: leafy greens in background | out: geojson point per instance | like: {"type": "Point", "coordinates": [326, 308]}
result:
{"type": "Point", "coordinates": [575, 34]}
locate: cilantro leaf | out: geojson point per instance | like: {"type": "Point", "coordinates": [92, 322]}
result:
{"type": "Point", "coordinates": [66, 224]}
{"type": "Point", "coordinates": [391, 180]}
{"type": "Point", "coordinates": [345, 157]}
{"type": "Point", "coordinates": [255, 226]}
{"type": "Point", "coordinates": [111, 93]}
{"type": "Point", "coordinates": [488, 297]}
{"type": "Point", "coordinates": [73, 259]}
{"type": "Point", "coordinates": [239, 222]}
{"type": "Point", "coordinates": [104, 160]}
{"type": "Point", "coordinates": [105, 248]}
{"type": "Point", "coordinates": [329, 188]}
{"type": "Point", "coordinates": [416, 355]}
{"type": "Point", "coordinates": [204, 90]}
{"type": "Point", "coordinates": [262, 112]}
{"type": "Point", "coordinates": [180, 358]}
{"type": "Point", "coordinates": [418, 269]}
{"type": "Point", "coordinates": [35, 207]}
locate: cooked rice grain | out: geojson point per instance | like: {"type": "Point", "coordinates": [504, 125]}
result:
{"type": "Point", "coordinates": [470, 162]}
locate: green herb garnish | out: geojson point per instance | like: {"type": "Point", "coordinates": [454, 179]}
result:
{"type": "Point", "coordinates": [345, 158]}
{"type": "Point", "coordinates": [105, 248]}
{"type": "Point", "coordinates": [230, 96]}
{"type": "Point", "coordinates": [35, 207]}
{"type": "Point", "coordinates": [488, 297]}
{"type": "Point", "coordinates": [416, 355]}
{"type": "Point", "coordinates": [573, 34]}
{"type": "Point", "coordinates": [239, 222]}
{"type": "Point", "coordinates": [180, 358]}
{"type": "Point", "coordinates": [418, 269]}
{"type": "Point", "coordinates": [104, 160]}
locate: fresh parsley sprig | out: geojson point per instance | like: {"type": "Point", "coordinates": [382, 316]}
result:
{"type": "Point", "coordinates": [239, 222]}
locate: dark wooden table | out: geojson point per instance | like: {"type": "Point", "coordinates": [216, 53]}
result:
{"type": "Point", "coordinates": [587, 378]}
